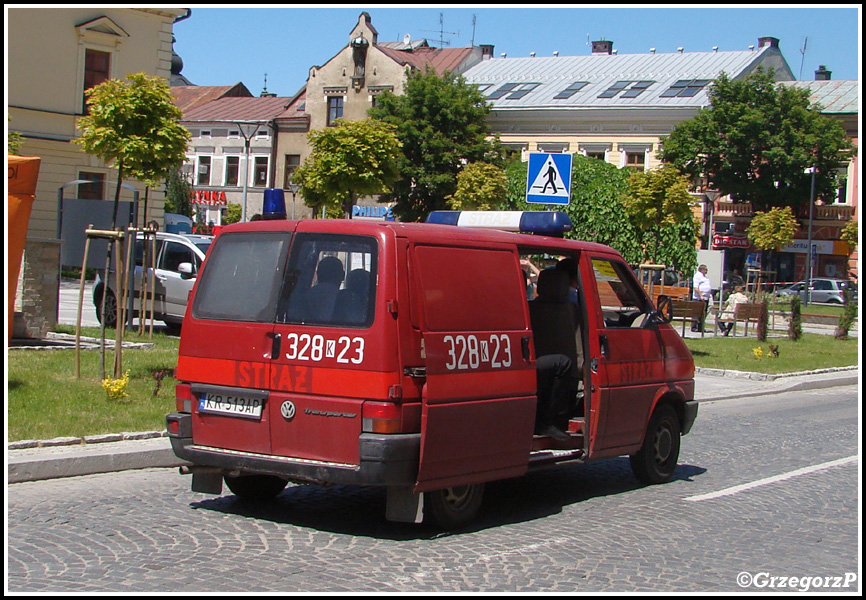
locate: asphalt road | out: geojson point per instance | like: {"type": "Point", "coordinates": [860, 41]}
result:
{"type": "Point", "coordinates": [765, 499]}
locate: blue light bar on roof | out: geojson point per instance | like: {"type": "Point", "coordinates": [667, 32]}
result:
{"type": "Point", "coordinates": [540, 222]}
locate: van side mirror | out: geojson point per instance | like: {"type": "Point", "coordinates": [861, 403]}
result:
{"type": "Point", "coordinates": [664, 312]}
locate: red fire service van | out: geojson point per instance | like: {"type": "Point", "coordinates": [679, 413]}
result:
{"type": "Point", "coordinates": [422, 357]}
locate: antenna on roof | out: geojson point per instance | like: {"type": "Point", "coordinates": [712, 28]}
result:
{"type": "Point", "coordinates": [803, 57]}
{"type": "Point", "coordinates": [472, 43]}
{"type": "Point", "coordinates": [442, 32]}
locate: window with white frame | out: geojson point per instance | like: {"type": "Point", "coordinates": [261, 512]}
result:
{"type": "Point", "coordinates": [203, 170]}
{"type": "Point", "coordinates": [260, 171]}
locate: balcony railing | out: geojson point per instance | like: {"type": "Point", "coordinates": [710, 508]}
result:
{"type": "Point", "coordinates": [828, 212]}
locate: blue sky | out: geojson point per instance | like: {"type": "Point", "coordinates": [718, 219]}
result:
{"type": "Point", "coordinates": [221, 46]}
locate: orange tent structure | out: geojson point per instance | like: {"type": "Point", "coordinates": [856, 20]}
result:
{"type": "Point", "coordinates": [23, 173]}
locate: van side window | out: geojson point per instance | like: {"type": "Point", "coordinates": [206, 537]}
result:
{"type": "Point", "coordinates": [620, 297]}
{"type": "Point", "coordinates": [330, 280]}
{"type": "Point", "coordinates": [247, 273]}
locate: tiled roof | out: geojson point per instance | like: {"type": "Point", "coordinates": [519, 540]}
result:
{"type": "Point", "coordinates": [840, 97]}
{"type": "Point", "coordinates": [652, 78]}
{"type": "Point", "coordinates": [188, 97]}
{"type": "Point", "coordinates": [239, 109]}
{"type": "Point", "coordinates": [440, 59]}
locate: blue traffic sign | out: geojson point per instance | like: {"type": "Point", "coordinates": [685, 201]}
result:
{"type": "Point", "coordinates": [549, 179]}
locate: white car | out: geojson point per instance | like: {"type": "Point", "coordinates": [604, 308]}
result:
{"type": "Point", "coordinates": [178, 260]}
{"type": "Point", "coordinates": [823, 290]}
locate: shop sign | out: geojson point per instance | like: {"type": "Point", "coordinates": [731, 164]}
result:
{"type": "Point", "coordinates": [730, 241]}
{"type": "Point", "coordinates": [208, 197]}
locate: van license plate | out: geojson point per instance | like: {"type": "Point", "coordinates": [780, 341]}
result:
{"type": "Point", "coordinates": [236, 406]}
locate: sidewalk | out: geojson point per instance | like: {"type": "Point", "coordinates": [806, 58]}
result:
{"type": "Point", "coordinates": [70, 457]}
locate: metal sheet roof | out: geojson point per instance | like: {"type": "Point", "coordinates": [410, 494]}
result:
{"type": "Point", "coordinates": [601, 71]}
{"type": "Point", "coordinates": [840, 97]}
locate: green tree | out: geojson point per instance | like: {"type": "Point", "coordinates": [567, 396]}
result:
{"type": "Point", "coordinates": [178, 194]}
{"type": "Point", "coordinates": [14, 140]}
{"type": "Point", "coordinates": [350, 160]}
{"type": "Point", "coordinates": [756, 140]}
{"type": "Point", "coordinates": [773, 229]}
{"type": "Point", "coordinates": [850, 235]}
{"type": "Point", "coordinates": [135, 125]}
{"type": "Point", "coordinates": [656, 201]}
{"type": "Point", "coordinates": [480, 186]}
{"type": "Point", "coordinates": [442, 124]}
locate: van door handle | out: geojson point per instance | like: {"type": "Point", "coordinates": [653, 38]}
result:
{"type": "Point", "coordinates": [524, 347]}
{"type": "Point", "coordinates": [605, 347]}
{"type": "Point", "coordinates": [276, 344]}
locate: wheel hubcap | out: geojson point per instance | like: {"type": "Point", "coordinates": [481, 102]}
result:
{"type": "Point", "coordinates": [663, 444]}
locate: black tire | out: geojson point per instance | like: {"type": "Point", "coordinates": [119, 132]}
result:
{"type": "Point", "coordinates": [657, 459]}
{"type": "Point", "coordinates": [453, 507]}
{"type": "Point", "coordinates": [110, 310]}
{"type": "Point", "coordinates": [255, 487]}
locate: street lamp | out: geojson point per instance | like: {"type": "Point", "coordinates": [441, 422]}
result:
{"type": "Point", "coordinates": [813, 171]}
{"type": "Point", "coordinates": [712, 196]}
{"type": "Point", "coordinates": [247, 130]}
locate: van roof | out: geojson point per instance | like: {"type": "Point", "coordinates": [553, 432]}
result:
{"type": "Point", "coordinates": [420, 232]}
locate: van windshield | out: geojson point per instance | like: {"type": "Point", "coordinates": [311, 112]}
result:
{"type": "Point", "coordinates": [330, 280]}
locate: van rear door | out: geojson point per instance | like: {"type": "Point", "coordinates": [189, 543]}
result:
{"type": "Point", "coordinates": [228, 343]}
{"type": "Point", "coordinates": [478, 404]}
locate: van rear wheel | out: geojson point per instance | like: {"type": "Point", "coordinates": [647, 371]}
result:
{"type": "Point", "coordinates": [657, 459]}
{"type": "Point", "coordinates": [454, 507]}
{"type": "Point", "coordinates": [255, 487]}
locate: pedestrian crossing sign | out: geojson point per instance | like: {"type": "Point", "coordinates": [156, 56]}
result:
{"type": "Point", "coordinates": [549, 179]}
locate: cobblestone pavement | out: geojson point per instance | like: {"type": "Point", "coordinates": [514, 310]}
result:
{"type": "Point", "coordinates": [588, 528]}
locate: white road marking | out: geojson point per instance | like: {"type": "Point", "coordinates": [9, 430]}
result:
{"type": "Point", "coordinates": [748, 486]}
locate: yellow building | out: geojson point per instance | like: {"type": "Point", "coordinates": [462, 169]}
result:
{"type": "Point", "coordinates": [54, 55]}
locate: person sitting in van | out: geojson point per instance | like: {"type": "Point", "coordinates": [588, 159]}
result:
{"type": "Point", "coordinates": [322, 297]}
{"type": "Point", "coordinates": [352, 301]}
{"type": "Point", "coordinates": [553, 329]}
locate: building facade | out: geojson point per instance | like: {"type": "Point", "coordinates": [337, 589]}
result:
{"type": "Point", "coordinates": [55, 55]}
{"type": "Point", "coordinates": [346, 87]}
{"type": "Point", "coordinates": [46, 89]}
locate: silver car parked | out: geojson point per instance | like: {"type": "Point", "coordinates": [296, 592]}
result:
{"type": "Point", "coordinates": [826, 290]}
{"type": "Point", "coordinates": [178, 260]}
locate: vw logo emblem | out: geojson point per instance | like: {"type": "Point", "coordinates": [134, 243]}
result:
{"type": "Point", "coordinates": [287, 409]}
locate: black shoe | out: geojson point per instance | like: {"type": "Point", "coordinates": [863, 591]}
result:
{"type": "Point", "coordinates": [554, 432]}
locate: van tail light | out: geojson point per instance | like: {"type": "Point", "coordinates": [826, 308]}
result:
{"type": "Point", "coordinates": [381, 417]}
{"type": "Point", "coordinates": [183, 397]}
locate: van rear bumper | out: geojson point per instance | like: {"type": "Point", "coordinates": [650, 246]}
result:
{"type": "Point", "coordinates": [386, 460]}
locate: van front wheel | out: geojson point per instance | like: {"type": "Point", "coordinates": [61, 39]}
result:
{"type": "Point", "coordinates": [657, 459]}
{"type": "Point", "coordinates": [454, 507]}
{"type": "Point", "coordinates": [255, 487]}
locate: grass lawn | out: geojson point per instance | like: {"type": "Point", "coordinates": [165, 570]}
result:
{"type": "Point", "coordinates": [45, 400]}
{"type": "Point", "coordinates": [812, 351]}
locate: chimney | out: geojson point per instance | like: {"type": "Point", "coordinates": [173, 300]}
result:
{"type": "Point", "coordinates": [602, 47]}
{"type": "Point", "coordinates": [486, 51]}
{"type": "Point", "coordinates": [768, 41]}
{"type": "Point", "coordinates": [822, 74]}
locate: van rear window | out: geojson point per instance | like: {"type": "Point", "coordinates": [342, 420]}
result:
{"type": "Point", "coordinates": [331, 281]}
{"type": "Point", "coordinates": [243, 277]}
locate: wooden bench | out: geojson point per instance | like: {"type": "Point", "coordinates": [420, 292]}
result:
{"type": "Point", "coordinates": [747, 312]}
{"type": "Point", "coordinates": [689, 311]}
{"type": "Point", "coordinates": [675, 293]}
